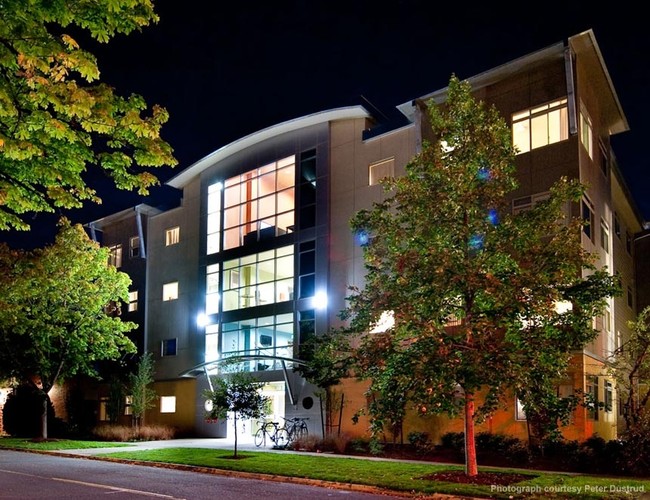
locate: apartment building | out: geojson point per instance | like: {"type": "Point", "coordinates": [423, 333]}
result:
{"type": "Point", "coordinates": [258, 257]}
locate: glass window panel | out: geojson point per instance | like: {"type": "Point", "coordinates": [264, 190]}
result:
{"type": "Point", "coordinates": [267, 207]}
{"type": "Point", "coordinates": [267, 168]}
{"type": "Point", "coordinates": [285, 222]}
{"type": "Point", "coordinates": [230, 341]}
{"type": "Point", "coordinates": [230, 300]}
{"type": "Point", "coordinates": [307, 262]}
{"type": "Point", "coordinates": [232, 181]}
{"type": "Point", "coordinates": [286, 177]}
{"type": "Point", "coordinates": [267, 184]}
{"type": "Point", "coordinates": [231, 217]}
{"type": "Point", "coordinates": [554, 126]}
{"type": "Point", "coordinates": [284, 267]}
{"type": "Point", "coordinates": [519, 116]}
{"type": "Point", "coordinates": [213, 243]}
{"type": "Point", "coordinates": [266, 271]}
{"type": "Point", "coordinates": [213, 223]}
{"type": "Point", "coordinates": [539, 109]}
{"type": "Point", "coordinates": [248, 275]}
{"type": "Point", "coordinates": [284, 290]}
{"type": "Point", "coordinates": [286, 200]}
{"type": "Point", "coordinates": [212, 283]}
{"type": "Point", "coordinates": [231, 238]}
{"type": "Point", "coordinates": [307, 286]}
{"type": "Point", "coordinates": [248, 188]}
{"type": "Point", "coordinates": [266, 293]}
{"type": "Point", "coordinates": [170, 291]}
{"type": "Point", "coordinates": [211, 347]}
{"type": "Point", "coordinates": [564, 123]}
{"type": "Point", "coordinates": [265, 255]}
{"type": "Point", "coordinates": [212, 268]}
{"type": "Point", "coordinates": [539, 129]}
{"type": "Point", "coordinates": [521, 136]}
{"type": "Point", "coordinates": [287, 161]}
{"type": "Point", "coordinates": [288, 250]}
{"type": "Point", "coordinates": [231, 196]}
{"type": "Point", "coordinates": [248, 259]}
{"type": "Point", "coordinates": [212, 303]}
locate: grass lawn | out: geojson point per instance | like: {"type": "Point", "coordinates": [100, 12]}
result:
{"type": "Point", "coordinates": [54, 444]}
{"type": "Point", "coordinates": [391, 475]}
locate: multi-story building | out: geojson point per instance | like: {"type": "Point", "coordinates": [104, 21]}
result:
{"type": "Point", "coordinates": [259, 255]}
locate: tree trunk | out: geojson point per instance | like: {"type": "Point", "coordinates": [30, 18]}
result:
{"type": "Point", "coordinates": [471, 467]}
{"type": "Point", "coordinates": [235, 426]}
{"type": "Point", "coordinates": [44, 415]}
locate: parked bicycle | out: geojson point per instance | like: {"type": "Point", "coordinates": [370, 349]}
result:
{"type": "Point", "coordinates": [276, 434]}
{"type": "Point", "coordinates": [296, 428]}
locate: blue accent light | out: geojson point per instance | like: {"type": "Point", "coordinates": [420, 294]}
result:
{"type": "Point", "coordinates": [476, 242]}
{"type": "Point", "coordinates": [493, 217]}
{"type": "Point", "coordinates": [362, 238]}
{"type": "Point", "coordinates": [484, 174]}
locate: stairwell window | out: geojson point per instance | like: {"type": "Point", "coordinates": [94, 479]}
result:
{"type": "Point", "coordinates": [115, 255]}
{"type": "Point", "coordinates": [133, 301]}
{"type": "Point", "coordinates": [134, 246]}
{"type": "Point", "coordinates": [540, 126]}
{"type": "Point", "coordinates": [586, 133]}
{"type": "Point", "coordinates": [172, 236]}
{"type": "Point", "coordinates": [168, 347]}
{"type": "Point", "coordinates": [588, 219]}
{"type": "Point", "coordinates": [167, 404]}
{"type": "Point", "coordinates": [170, 291]}
{"type": "Point", "coordinates": [380, 170]}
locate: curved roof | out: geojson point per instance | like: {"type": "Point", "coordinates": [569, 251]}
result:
{"type": "Point", "coordinates": [184, 177]}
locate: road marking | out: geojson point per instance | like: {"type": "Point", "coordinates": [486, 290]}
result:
{"type": "Point", "coordinates": [117, 489]}
{"type": "Point", "coordinates": [96, 485]}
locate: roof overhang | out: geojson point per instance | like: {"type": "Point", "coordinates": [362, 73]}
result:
{"type": "Point", "coordinates": [194, 170]}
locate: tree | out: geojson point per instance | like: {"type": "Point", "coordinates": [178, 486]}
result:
{"type": "Point", "coordinates": [237, 394]}
{"type": "Point", "coordinates": [471, 288]}
{"type": "Point", "coordinates": [630, 366]}
{"type": "Point", "coordinates": [142, 396]}
{"type": "Point", "coordinates": [56, 120]}
{"type": "Point", "coordinates": [58, 312]}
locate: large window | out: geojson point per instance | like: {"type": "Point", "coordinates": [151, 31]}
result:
{"type": "Point", "coordinates": [258, 279]}
{"type": "Point", "coordinates": [586, 133]}
{"type": "Point", "coordinates": [266, 336]}
{"type": "Point", "coordinates": [115, 255]}
{"type": "Point", "coordinates": [540, 126]}
{"type": "Point", "coordinates": [214, 218]}
{"type": "Point", "coordinates": [259, 204]}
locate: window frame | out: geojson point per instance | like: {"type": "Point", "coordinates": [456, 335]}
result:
{"type": "Point", "coordinates": [172, 236]}
{"type": "Point", "coordinates": [529, 136]}
{"type": "Point", "coordinates": [169, 287]}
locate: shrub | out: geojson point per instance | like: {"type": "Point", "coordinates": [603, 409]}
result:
{"type": "Point", "coordinates": [126, 433]}
{"type": "Point", "coordinates": [359, 445]}
{"type": "Point", "coordinates": [453, 441]}
{"type": "Point", "coordinates": [21, 415]}
{"type": "Point", "coordinates": [307, 443]}
{"type": "Point", "coordinates": [420, 441]}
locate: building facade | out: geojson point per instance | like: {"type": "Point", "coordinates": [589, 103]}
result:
{"type": "Point", "coordinates": [259, 256]}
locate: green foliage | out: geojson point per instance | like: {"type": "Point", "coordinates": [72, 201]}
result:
{"type": "Point", "coordinates": [56, 120]}
{"type": "Point", "coordinates": [57, 310]}
{"type": "Point", "coordinates": [22, 412]}
{"type": "Point", "coordinates": [630, 366]}
{"type": "Point", "coordinates": [237, 393]}
{"type": "Point", "coordinates": [116, 396]}
{"type": "Point", "coordinates": [143, 397]}
{"type": "Point", "coordinates": [472, 287]}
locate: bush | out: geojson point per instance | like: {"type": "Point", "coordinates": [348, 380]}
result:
{"type": "Point", "coordinates": [125, 433]}
{"type": "Point", "coordinates": [635, 453]}
{"type": "Point", "coordinates": [21, 415]}
{"type": "Point", "coordinates": [420, 441]}
{"type": "Point", "coordinates": [454, 441]}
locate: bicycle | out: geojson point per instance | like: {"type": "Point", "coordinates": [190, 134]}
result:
{"type": "Point", "coordinates": [278, 435]}
{"type": "Point", "coordinates": [296, 428]}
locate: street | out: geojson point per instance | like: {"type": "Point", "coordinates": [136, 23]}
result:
{"type": "Point", "coordinates": [31, 475]}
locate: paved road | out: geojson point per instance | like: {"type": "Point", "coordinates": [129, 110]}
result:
{"type": "Point", "coordinates": [40, 476]}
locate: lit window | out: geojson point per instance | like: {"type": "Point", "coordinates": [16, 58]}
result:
{"type": "Point", "coordinates": [592, 397]}
{"type": "Point", "coordinates": [604, 235]}
{"type": "Point", "coordinates": [604, 160]}
{"type": "Point", "coordinates": [609, 396]}
{"type": "Point", "coordinates": [527, 202]}
{"type": "Point", "coordinates": [540, 126]}
{"type": "Point", "coordinates": [588, 219]}
{"type": "Point", "coordinates": [617, 226]}
{"type": "Point", "coordinates": [167, 404]}
{"type": "Point", "coordinates": [520, 414]}
{"type": "Point", "coordinates": [170, 291]}
{"type": "Point", "coordinates": [380, 170]}
{"type": "Point", "coordinates": [168, 347]}
{"type": "Point", "coordinates": [214, 218]}
{"type": "Point", "coordinates": [133, 301]}
{"type": "Point", "coordinates": [172, 236]}
{"type": "Point", "coordinates": [103, 409]}
{"type": "Point", "coordinates": [134, 246]}
{"type": "Point", "coordinates": [115, 255]}
{"type": "Point", "coordinates": [269, 336]}
{"type": "Point", "coordinates": [211, 342]}
{"type": "Point", "coordinates": [258, 204]}
{"type": "Point", "coordinates": [586, 133]}
{"type": "Point", "coordinates": [258, 279]}
{"type": "Point", "coordinates": [212, 289]}
{"type": "Point", "coordinates": [128, 402]}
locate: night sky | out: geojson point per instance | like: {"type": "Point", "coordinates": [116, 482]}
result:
{"type": "Point", "coordinates": [225, 70]}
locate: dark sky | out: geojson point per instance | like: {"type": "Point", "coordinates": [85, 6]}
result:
{"type": "Point", "coordinates": [226, 69]}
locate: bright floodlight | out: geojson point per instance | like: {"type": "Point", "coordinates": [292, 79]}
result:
{"type": "Point", "coordinates": [320, 300]}
{"type": "Point", "coordinates": [201, 320]}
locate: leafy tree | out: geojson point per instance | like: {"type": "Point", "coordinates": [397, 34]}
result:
{"type": "Point", "coordinates": [115, 402]}
{"type": "Point", "coordinates": [142, 396]}
{"type": "Point", "coordinates": [472, 288]}
{"type": "Point", "coordinates": [56, 119]}
{"type": "Point", "coordinates": [631, 368]}
{"type": "Point", "coordinates": [238, 393]}
{"type": "Point", "coordinates": [58, 312]}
